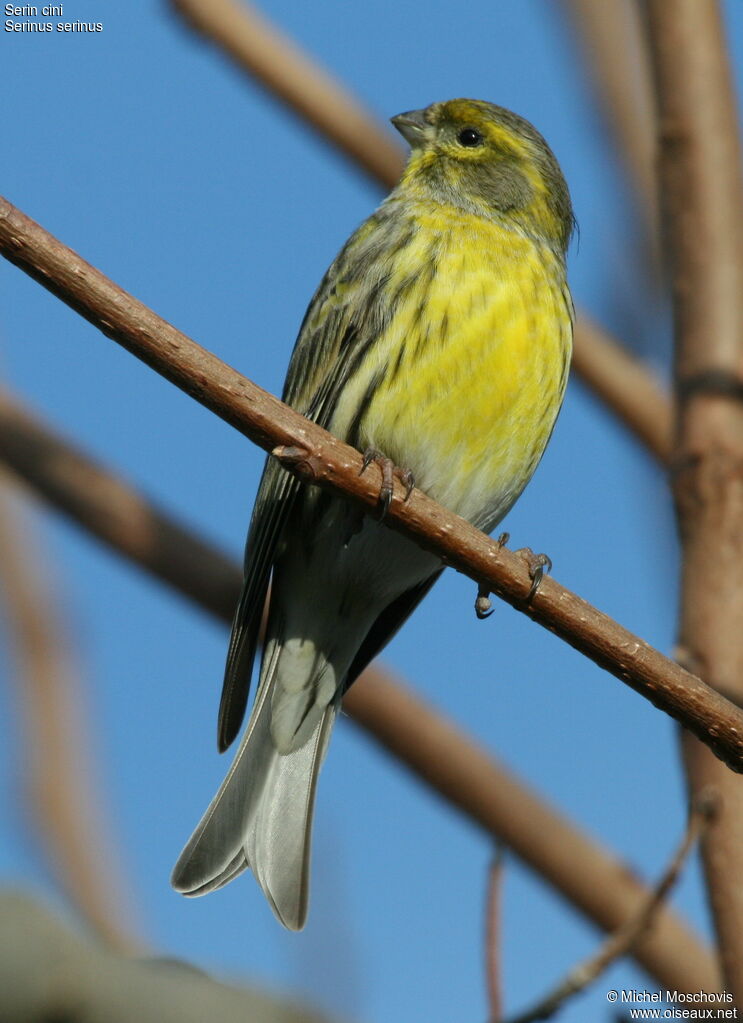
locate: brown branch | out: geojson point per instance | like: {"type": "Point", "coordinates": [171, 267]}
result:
{"type": "Point", "coordinates": [257, 47]}
{"type": "Point", "coordinates": [623, 940]}
{"type": "Point", "coordinates": [316, 456]}
{"type": "Point", "coordinates": [60, 778]}
{"type": "Point", "coordinates": [702, 206]}
{"type": "Point", "coordinates": [439, 755]}
{"type": "Point", "coordinates": [620, 379]}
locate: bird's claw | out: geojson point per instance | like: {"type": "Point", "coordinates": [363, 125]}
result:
{"type": "Point", "coordinates": [389, 471]}
{"type": "Point", "coordinates": [483, 603]}
{"type": "Point", "coordinates": [536, 564]}
{"type": "Point", "coordinates": [408, 481]}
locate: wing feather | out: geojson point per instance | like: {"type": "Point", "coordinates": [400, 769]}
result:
{"type": "Point", "coordinates": [342, 320]}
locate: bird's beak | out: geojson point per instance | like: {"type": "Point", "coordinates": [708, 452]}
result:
{"type": "Point", "coordinates": [413, 126]}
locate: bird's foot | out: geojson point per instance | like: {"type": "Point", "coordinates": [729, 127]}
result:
{"type": "Point", "coordinates": [483, 603]}
{"type": "Point", "coordinates": [536, 563]}
{"type": "Point", "coordinates": [389, 471]}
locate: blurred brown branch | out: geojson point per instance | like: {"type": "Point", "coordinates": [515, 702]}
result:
{"type": "Point", "coordinates": [623, 940]}
{"type": "Point", "coordinates": [701, 173]}
{"type": "Point", "coordinates": [66, 806]}
{"type": "Point", "coordinates": [602, 888]}
{"type": "Point", "coordinates": [625, 386]}
{"type": "Point", "coordinates": [493, 935]}
{"type": "Point", "coordinates": [115, 513]}
{"type": "Point", "coordinates": [441, 756]}
{"type": "Point", "coordinates": [615, 48]}
{"type": "Point", "coordinates": [268, 56]}
{"type": "Point", "coordinates": [49, 973]}
{"type": "Point", "coordinates": [620, 379]}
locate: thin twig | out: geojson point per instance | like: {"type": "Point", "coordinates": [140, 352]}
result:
{"type": "Point", "coordinates": [269, 57]}
{"type": "Point", "coordinates": [66, 806]}
{"type": "Point", "coordinates": [622, 941]}
{"type": "Point", "coordinates": [493, 950]}
{"type": "Point", "coordinates": [702, 207]}
{"type": "Point", "coordinates": [439, 755]}
{"type": "Point", "coordinates": [316, 456]}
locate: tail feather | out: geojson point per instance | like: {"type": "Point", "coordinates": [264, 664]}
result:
{"type": "Point", "coordinates": [279, 829]}
{"type": "Point", "coordinates": [261, 817]}
{"type": "Point", "coordinates": [305, 684]}
{"type": "Point", "coordinates": [235, 867]}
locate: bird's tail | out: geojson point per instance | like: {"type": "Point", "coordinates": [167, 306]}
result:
{"type": "Point", "coordinates": [261, 817]}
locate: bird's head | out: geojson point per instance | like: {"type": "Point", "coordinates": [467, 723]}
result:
{"type": "Point", "coordinates": [489, 161]}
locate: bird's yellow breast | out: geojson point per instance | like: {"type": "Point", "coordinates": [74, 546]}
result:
{"type": "Point", "coordinates": [464, 383]}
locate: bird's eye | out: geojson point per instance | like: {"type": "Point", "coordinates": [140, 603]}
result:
{"type": "Point", "coordinates": [469, 137]}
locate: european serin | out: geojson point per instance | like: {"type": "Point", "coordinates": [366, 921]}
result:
{"type": "Point", "coordinates": [441, 337]}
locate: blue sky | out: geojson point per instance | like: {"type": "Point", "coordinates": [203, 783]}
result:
{"type": "Point", "coordinates": [143, 150]}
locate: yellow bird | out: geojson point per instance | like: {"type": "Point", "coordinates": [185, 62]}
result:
{"type": "Point", "coordinates": [439, 342]}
